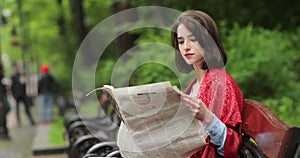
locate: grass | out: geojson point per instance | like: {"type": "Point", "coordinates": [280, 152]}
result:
{"type": "Point", "coordinates": [56, 135]}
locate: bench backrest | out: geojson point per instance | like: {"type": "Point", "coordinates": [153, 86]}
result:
{"type": "Point", "coordinates": [274, 137]}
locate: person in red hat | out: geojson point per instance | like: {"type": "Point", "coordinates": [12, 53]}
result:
{"type": "Point", "coordinates": [44, 68]}
{"type": "Point", "coordinates": [47, 86]}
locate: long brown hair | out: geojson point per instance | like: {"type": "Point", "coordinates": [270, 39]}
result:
{"type": "Point", "coordinates": [206, 32]}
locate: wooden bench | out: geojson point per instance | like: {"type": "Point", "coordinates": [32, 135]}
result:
{"type": "Point", "coordinates": [273, 137]}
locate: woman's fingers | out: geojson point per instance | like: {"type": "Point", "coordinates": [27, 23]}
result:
{"type": "Point", "coordinates": [196, 106]}
{"type": "Point", "coordinates": [192, 101]}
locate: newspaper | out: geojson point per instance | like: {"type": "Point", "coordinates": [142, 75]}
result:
{"type": "Point", "coordinates": [155, 122]}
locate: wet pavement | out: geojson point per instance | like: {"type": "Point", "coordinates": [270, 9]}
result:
{"type": "Point", "coordinates": [22, 138]}
{"type": "Point", "coordinates": [20, 144]}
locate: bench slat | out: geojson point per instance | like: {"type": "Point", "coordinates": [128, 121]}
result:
{"type": "Point", "coordinates": [265, 127]}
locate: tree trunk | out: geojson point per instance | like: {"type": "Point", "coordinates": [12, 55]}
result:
{"type": "Point", "coordinates": [126, 40]}
{"type": "Point", "coordinates": [78, 19]}
{"type": "Point", "coordinates": [61, 19]}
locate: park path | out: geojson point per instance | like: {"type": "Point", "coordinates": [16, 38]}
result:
{"type": "Point", "coordinates": [22, 138]}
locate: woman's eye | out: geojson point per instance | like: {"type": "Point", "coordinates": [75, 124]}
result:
{"type": "Point", "coordinates": [193, 39]}
{"type": "Point", "coordinates": [180, 42]}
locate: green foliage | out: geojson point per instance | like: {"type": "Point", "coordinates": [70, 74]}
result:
{"type": "Point", "coordinates": [264, 64]}
{"type": "Point", "coordinates": [269, 14]}
{"type": "Point", "coordinates": [285, 108]}
{"type": "Point", "coordinates": [153, 72]}
{"type": "Point", "coordinates": [152, 60]}
{"type": "Point", "coordinates": [56, 135]}
{"type": "Point", "coordinates": [261, 61]}
{"type": "Point", "coordinates": [95, 11]}
{"type": "Point", "coordinates": [103, 73]}
{"type": "Point", "coordinates": [40, 30]}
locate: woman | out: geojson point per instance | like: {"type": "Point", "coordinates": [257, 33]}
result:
{"type": "Point", "coordinates": [212, 97]}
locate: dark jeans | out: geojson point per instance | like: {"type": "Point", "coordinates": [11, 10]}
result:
{"type": "Point", "coordinates": [24, 99]}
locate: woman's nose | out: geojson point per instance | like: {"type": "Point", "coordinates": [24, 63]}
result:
{"type": "Point", "coordinates": [186, 45]}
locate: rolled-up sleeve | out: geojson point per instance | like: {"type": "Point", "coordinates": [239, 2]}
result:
{"type": "Point", "coordinates": [217, 133]}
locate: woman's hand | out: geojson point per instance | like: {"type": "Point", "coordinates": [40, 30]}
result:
{"type": "Point", "coordinates": [198, 109]}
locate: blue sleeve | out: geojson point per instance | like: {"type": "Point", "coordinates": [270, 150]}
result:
{"type": "Point", "coordinates": [217, 132]}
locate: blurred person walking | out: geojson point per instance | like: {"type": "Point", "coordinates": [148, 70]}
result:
{"type": "Point", "coordinates": [47, 86]}
{"type": "Point", "coordinates": [18, 89]}
{"type": "Point", "coordinates": [4, 106]}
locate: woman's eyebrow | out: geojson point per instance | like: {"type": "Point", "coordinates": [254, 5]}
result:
{"type": "Point", "coordinates": [180, 37]}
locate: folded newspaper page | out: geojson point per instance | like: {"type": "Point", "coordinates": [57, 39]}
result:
{"type": "Point", "coordinates": [155, 122]}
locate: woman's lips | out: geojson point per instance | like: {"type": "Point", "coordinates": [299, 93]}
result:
{"type": "Point", "coordinates": [188, 55]}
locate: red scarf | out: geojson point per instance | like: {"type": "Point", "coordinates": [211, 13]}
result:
{"type": "Point", "coordinates": [223, 97]}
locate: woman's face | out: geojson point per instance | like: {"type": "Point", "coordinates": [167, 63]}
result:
{"type": "Point", "coordinates": [189, 47]}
